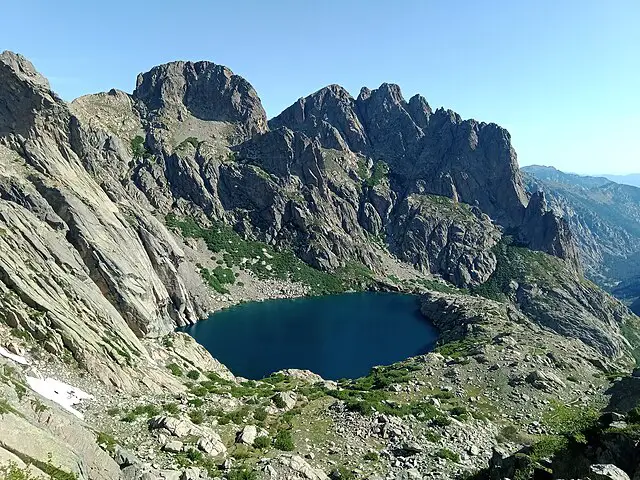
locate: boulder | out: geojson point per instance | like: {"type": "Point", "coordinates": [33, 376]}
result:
{"type": "Point", "coordinates": [173, 446]}
{"type": "Point", "coordinates": [175, 426]}
{"type": "Point", "coordinates": [212, 445]}
{"type": "Point", "coordinates": [298, 467]}
{"type": "Point", "coordinates": [547, 381]}
{"type": "Point", "coordinates": [247, 435]}
{"type": "Point", "coordinates": [285, 400]}
{"type": "Point", "coordinates": [124, 458]}
{"type": "Point", "coordinates": [606, 471]}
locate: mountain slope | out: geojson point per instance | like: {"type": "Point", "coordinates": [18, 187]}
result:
{"type": "Point", "coordinates": [123, 216]}
{"type": "Point", "coordinates": [605, 219]}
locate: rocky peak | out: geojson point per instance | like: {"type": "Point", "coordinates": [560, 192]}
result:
{"type": "Point", "coordinates": [330, 114]}
{"type": "Point", "coordinates": [23, 93]}
{"type": "Point", "coordinates": [203, 90]}
{"type": "Point", "coordinates": [23, 68]}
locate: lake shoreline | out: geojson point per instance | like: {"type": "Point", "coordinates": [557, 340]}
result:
{"type": "Point", "coordinates": [332, 326]}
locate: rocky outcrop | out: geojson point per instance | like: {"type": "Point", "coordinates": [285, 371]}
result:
{"type": "Point", "coordinates": [430, 153]}
{"type": "Point", "coordinates": [442, 236]}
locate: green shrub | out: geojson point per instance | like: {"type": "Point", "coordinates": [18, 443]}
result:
{"type": "Point", "coordinates": [380, 171]}
{"type": "Point", "coordinates": [11, 471]}
{"type": "Point", "coordinates": [196, 416]}
{"type": "Point", "coordinates": [459, 412]}
{"type": "Point", "coordinates": [371, 456]}
{"type": "Point", "coordinates": [196, 402]}
{"type": "Point", "coordinates": [284, 441]}
{"type": "Point", "coordinates": [432, 436]}
{"type": "Point", "coordinates": [242, 473]}
{"type": "Point", "coordinates": [441, 421]}
{"type": "Point", "coordinates": [260, 414]}
{"type": "Point", "coordinates": [634, 415]}
{"type": "Point", "coordinates": [175, 369]}
{"type": "Point", "coordinates": [279, 401]}
{"type": "Point", "coordinates": [262, 442]}
{"type": "Point", "coordinates": [193, 374]}
{"type": "Point", "coordinates": [194, 455]}
{"type": "Point", "coordinates": [171, 408]}
{"type": "Point", "coordinates": [193, 141]}
{"type": "Point", "coordinates": [277, 264]}
{"type": "Point", "coordinates": [448, 455]}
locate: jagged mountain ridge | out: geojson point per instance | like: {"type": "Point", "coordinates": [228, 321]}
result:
{"type": "Point", "coordinates": [163, 103]}
{"type": "Point", "coordinates": [605, 219]}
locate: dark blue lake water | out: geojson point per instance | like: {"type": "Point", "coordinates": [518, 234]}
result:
{"type": "Point", "coordinates": [337, 336]}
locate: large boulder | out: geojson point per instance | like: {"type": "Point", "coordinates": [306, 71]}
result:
{"type": "Point", "coordinates": [606, 472]}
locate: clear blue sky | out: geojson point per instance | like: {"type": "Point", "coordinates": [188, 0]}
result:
{"type": "Point", "coordinates": [562, 75]}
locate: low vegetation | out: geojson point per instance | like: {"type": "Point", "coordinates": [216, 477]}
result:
{"type": "Point", "coordinates": [519, 264]}
{"type": "Point", "coordinates": [265, 262]}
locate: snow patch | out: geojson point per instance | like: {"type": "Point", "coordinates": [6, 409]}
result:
{"type": "Point", "coordinates": [12, 356]}
{"type": "Point", "coordinates": [59, 392]}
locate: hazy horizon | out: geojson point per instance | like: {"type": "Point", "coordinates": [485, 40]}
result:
{"type": "Point", "coordinates": [561, 77]}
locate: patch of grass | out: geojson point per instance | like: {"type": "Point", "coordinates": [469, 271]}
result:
{"type": "Point", "coordinates": [113, 411]}
{"type": "Point", "coordinates": [342, 473]}
{"type": "Point", "coordinates": [193, 374]}
{"type": "Point", "coordinates": [571, 421]}
{"type": "Point", "coordinates": [148, 410]}
{"type": "Point", "coordinates": [107, 440]}
{"type": "Point", "coordinates": [458, 348]}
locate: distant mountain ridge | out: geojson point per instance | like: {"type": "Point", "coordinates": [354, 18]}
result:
{"type": "Point", "coordinates": [629, 179]}
{"type": "Point", "coordinates": [605, 219]}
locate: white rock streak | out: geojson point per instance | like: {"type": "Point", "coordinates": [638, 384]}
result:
{"type": "Point", "coordinates": [12, 356]}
